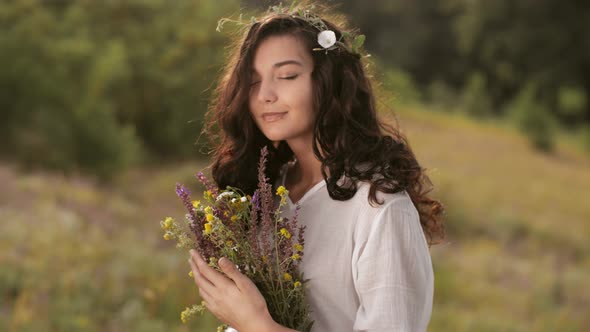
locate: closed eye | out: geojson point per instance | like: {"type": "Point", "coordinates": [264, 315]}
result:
{"type": "Point", "coordinates": [290, 78]}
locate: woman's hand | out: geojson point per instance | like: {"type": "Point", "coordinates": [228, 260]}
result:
{"type": "Point", "coordinates": [232, 298]}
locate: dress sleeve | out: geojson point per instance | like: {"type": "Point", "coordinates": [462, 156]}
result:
{"type": "Point", "coordinates": [394, 279]}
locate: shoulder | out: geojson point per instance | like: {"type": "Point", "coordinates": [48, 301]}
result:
{"type": "Point", "coordinates": [399, 201]}
{"type": "Point", "coordinates": [396, 213]}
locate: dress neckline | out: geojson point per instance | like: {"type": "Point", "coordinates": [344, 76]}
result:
{"type": "Point", "coordinates": [308, 193]}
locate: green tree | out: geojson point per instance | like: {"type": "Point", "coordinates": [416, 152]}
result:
{"type": "Point", "coordinates": [533, 118]}
{"type": "Point", "coordinates": [97, 85]}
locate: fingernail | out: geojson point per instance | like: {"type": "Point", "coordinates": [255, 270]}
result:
{"type": "Point", "coordinates": [224, 262]}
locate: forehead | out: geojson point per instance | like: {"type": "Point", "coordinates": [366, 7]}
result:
{"type": "Point", "coordinates": [276, 49]}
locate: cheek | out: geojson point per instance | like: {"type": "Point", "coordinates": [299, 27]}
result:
{"type": "Point", "coordinates": [310, 112]}
{"type": "Point", "coordinates": [252, 110]}
{"type": "Point", "coordinates": [303, 100]}
{"type": "Point", "coordinates": [251, 103]}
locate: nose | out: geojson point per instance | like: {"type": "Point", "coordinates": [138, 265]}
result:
{"type": "Point", "coordinates": [266, 93]}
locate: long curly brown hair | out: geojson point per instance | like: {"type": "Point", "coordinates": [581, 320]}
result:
{"type": "Point", "coordinates": [352, 140]}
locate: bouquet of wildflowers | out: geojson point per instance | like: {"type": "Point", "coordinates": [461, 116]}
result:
{"type": "Point", "coordinates": [251, 233]}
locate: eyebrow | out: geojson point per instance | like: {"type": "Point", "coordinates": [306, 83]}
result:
{"type": "Point", "coordinates": [282, 63]}
{"type": "Point", "coordinates": [287, 62]}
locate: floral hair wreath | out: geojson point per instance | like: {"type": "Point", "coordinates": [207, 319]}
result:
{"type": "Point", "coordinates": [326, 37]}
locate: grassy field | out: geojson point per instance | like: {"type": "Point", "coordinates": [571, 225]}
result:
{"type": "Point", "coordinates": [518, 251]}
{"type": "Point", "coordinates": [81, 256]}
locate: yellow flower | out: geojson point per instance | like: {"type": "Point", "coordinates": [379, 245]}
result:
{"type": "Point", "coordinates": [295, 257]}
{"type": "Point", "coordinates": [208, 210]}
{"type": "Point", "coordinates": [191, 274]}
{"type": "Point", "coordinates": [196, 204]}
{"type": "Point", "coordinates": [185, 314]}
{"type": "Point", "coordinates": [208, 195]}
{"type": "Point", "coordinates": [285, 233]}
{"type": "Point", "coordinates": [281, 191]}
{"type": "Point", "coordinates": [298, 247]}
{"type": "Point", "coordinates": [208, 228]}
{"type": "Point", "coordinates": [287, 276]}
{"type": "Point", "coordinates": [234, 218]}
{"type": "Point", "coordinates": [209, 217]}
{"type": "Point", "coordinates": [226, 213]}
{"type": "Point", "coordinates": [167, 236]}
{"type": "Point", "coordinates": [297, 284]}
{"type": "Point", "coordinates": [167, 223]}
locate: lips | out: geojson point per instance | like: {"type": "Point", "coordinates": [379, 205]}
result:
{"type": "Point", "coordinates": [273, 116]}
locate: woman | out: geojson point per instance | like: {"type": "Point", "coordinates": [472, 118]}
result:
{"type": "Point", "coordinates": [362, 194]}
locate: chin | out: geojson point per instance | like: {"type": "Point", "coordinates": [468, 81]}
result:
{"type": "Point", "coordinates": [275, 134]}
{"type": "Point", "coordinates": [276, 137]}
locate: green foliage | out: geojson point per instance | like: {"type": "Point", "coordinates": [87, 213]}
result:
{"type": "Point", "coordinates": [475, 100]}
{"type": "Point", "coordinates": [402, 86]}
{"type": "Point", "coordinates": [441, 95]}
{"type": "Point", "coordinates": [103, 147]}
{"type": "Point", "coordinates": [533, 118]}
{"type": "Point", "coordinates": [585, 137]}
{"type": "Point", "coordinates": [572, 101]}
{"type": "Point", "coordinates": [510, 43]}
{"type": "Point", "coordinates": [98, 85]}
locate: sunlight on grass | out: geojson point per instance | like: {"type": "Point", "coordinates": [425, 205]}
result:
{"type": "Point", "coordinates": [515, 222]}
{"type": "Point", "coordinates": [76, 255]}
{"type": "Point", "coordinates": [84, 258]}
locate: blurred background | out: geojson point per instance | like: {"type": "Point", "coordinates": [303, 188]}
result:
{"type": "Point", "coordinates": [102, 103]}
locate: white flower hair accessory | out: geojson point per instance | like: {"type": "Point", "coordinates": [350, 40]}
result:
{"type": "Point", "coordinates": [326, 38]}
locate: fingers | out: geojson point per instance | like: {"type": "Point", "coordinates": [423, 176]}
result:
{"type": "Point", "coordinates": [205, 297]}
{"type": "Point", "coordinates": [214, 277]}
{"type": "Point", "coordinates": [232, 272]}
{"type": "Point", "coordinates": [200, 280]}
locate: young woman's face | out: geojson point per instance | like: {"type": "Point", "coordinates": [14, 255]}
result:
{"type": "Point", "coordinates": [281, 89]}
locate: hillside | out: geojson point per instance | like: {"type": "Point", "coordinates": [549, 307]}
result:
{"type": "Point", "coordinates": [79, 256]}
{"type": "Point", "coordinates": [517, 227]}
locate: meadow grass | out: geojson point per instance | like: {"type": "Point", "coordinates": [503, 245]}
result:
{"type": "Point", "coordinates": [517, 226]}
{"type": "Point", "coordinates": [79, 256]}
{"type": "Point", "coordinates": [76, 255]}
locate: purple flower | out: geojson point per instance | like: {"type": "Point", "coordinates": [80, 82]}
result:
{"type": "Point", "coordinates": [255, 206]}
{"type": "Point", "coordinates": [266, 203]}
{"type": "Point", "coordinates": [195, 223]}
{"type": "Point", "coordinates": [184, 194]}
{"type": "Point", "coordinates": [211, 187]}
